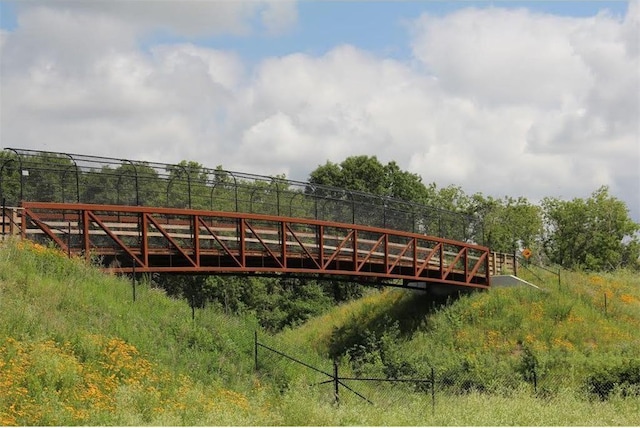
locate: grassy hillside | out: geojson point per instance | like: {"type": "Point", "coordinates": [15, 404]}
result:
{"type": "Point", "coordinates": [580, 336]}
{"type": "Point", "coordinates": [76, 349]}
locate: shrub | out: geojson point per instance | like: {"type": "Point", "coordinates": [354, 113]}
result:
{"type": "Point", "coordinates": [622, 378]}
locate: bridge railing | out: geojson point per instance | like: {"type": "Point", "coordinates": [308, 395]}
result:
{"type": "Point", "coordinates": [29, 175]}
{"type": "Point", "coordinates": [9, 221]}
{"type": "Point", "coordinates": [153, 239]}
{"type": "Point", "coordinates": [503, 264]}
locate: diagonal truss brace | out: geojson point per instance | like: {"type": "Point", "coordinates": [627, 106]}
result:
{"type": "Point", "coordinates": [409, 257]}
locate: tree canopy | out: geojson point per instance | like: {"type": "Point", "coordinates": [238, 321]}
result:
{"type": "Point", "coordinates": [594, 234]}
{"type": "Point", "coordinates": [368, 174]}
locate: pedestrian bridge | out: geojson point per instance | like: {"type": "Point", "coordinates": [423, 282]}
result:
{"type": "Point", "coordinates": [304, 231]}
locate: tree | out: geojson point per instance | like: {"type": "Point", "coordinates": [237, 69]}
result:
{"type": "Point", "coordinates": [46, 177]}
{"type": "Point", "coordinates": [367, 174]}
{"type": "Point", "coordinates": [509, 224]}
{"type": "Point", "coordinates": [374, 194]}
{"type": "Point", "coordinates": [360, 173]}
{"type": "Point", "coordinates": [593, 234]}
{"type": "Point", "coordinates": [10, 176]}
{"type": "Point", "coordinates": [187, 185]}
{"type": "Point", "coordinates": [276, 302]}
{"type": "Point", "coordinates": [97, 186]}
{"type": "Point", "coordinates": [128, 184]}
{"type": "Point", "coordinates": [451, 198]}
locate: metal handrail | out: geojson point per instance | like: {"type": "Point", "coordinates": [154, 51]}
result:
{"type": "Point", "coordinates": [312, 193]}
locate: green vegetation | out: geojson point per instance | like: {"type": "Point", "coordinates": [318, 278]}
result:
{"type": "Point", "coordinates": [590, 233]}
{"type": "Point", "coordinates": [594, 233]}
{"type": "Point", "coordinates": [75, 349]}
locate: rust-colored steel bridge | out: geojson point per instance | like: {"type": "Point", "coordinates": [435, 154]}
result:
{"type": "Point", "coordinates": [139, 216]}
{"type": "Point", "coordinates": [172, 240]}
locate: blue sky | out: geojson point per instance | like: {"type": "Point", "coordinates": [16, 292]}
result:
{"type": "Point", "coordinates": [528, 99]}
{"type": "Point", "coordinates": [379, 27]}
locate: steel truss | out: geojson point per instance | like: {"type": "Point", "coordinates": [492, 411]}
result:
{"type": "Point", "coordinates": [170, 240]}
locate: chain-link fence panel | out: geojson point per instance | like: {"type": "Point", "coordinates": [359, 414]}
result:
{"type": "Point", "coordinates": [342, 382]}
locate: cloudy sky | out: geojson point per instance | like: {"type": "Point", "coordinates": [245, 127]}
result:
{"type": "Point", "coordinates": [526, 99]}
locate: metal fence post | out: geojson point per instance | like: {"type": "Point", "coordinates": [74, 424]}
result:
{"type": "Point", "coordinates": [133, 278]}
{"type": "Point", "coordinates": [69, 240]}
{"type": "Point", "coordinates": [336, 382]}
{"type": "Point", "coordinates": [255, 348]}
{"type": "Point", "coordinates": [433, 391]}
{"type": "Point", "coordinates": [4, 211]}
{"type": "Point", "coordinates": [559, 283]}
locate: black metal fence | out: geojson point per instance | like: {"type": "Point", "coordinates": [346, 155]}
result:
{"type": "Point", "coordinates": [345, 382]}
{"type": "Point", "coordinates": [441, 383]}
{"type": "Point", "coordinates": [29, 175]}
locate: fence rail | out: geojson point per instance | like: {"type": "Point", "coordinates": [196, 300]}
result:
{"type": "Point", "coordinates": [40, 176]}
{"type": "Point", "coordinates": [440, 384]}
{"type": "Point", "coordinates": [334, 377]}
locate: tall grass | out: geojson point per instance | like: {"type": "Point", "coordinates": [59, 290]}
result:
{"type": "Point", "coordinates": [556, 342]}
{"type": "Point", "coordinates": [76, 349]}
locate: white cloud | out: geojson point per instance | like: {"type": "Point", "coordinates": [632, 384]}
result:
{"type": "Point", "coordinates": [494, 55]}
{"type": "Point", "coordinates": [64, 41]}
{"type": "Point", "coordinates": [189, 18]}
{"type": "Point", "coordinates": [578, 79]}
{"type": "Point", "coordinates": [505, 102]}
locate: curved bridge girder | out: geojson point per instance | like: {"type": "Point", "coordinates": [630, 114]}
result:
{"type": "Point", "coordinates": [147, 239]}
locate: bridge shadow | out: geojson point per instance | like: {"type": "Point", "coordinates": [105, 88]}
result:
{"type": "Point", "coordinates": [397, 316]}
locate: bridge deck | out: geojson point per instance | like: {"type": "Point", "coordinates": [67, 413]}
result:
{"type": "Point", "coordinates": [148, 239]}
